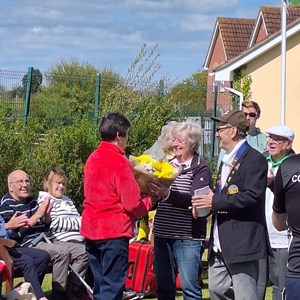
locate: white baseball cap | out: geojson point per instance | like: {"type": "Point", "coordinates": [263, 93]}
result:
{"type": "Point", "coordinates": [283, 131]}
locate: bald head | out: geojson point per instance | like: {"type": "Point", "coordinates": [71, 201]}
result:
{"type": "Point", "coordinates": [18, 184]}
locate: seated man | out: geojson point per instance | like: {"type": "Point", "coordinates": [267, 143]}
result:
{"type": "Point", "coordinates": [33, 221]}
{"type": "Point", "coordinates": [33, 262]}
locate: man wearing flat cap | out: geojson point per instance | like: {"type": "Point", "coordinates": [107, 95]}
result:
{"type": "Point", "coordinates": [239, 236]}
{"type": "Point", "coordinates": [280, 139]}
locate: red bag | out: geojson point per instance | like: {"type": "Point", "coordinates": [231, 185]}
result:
{"type": "Point", "coordinates": [140, 275]}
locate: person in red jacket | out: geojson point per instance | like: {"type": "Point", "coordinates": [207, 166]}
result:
{"type": "Point", "coordinates": [112, 202]}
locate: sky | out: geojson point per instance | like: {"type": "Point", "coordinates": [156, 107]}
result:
{"type": "Point", "coordinates": [110, 33]}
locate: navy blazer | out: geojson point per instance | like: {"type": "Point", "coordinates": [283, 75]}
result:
{"type": "Point", "coordinates": [240, 210]}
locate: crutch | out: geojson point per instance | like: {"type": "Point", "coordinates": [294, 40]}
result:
{"type": "Point", "coordinates": [44, 237]}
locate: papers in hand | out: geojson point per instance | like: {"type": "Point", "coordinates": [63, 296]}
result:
{"type": "Point", "coordinates": [202, 212]}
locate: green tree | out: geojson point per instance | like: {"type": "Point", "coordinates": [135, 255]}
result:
{"type": "Point", "coordinates": [190, 95]}
{"type": "Point", "coordinates": [295, 2]}
{"type": "Point", "coordinates": [71, 85]}
{"type": "Point", "coordinates": [36, 81]}
{"type": "Point", "coordinates": [242, 83]}
{"type": "Point", "coordinates": [139, 96]}
{"type": "Point", "coordinates": [73, 82]}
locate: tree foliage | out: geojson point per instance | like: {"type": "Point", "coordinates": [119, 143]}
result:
{"type": "Point", "coordinates": [36, 81]}
{"type": "Point", "coordinates": [141, 99]}
{"type": "Point", "coordinates": [60, 111]}
{"type": "Point", "coordinates": [73, 82]}
{"type": "Point", "coordinates": [242, 83]}
{"type": "Point", "coordinates": [190, 95]}
{"type": "Point", "coordinates": [23, 147]}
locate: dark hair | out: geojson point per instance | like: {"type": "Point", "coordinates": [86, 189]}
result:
{"type": "Point", "coordinates": [113, 124]}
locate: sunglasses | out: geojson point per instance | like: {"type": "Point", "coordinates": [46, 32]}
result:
{"type": "Point", "coordinates": [251, 114]}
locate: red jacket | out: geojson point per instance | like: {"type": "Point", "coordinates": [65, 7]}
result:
{"type": "Point", "coordinates": [112, 196]}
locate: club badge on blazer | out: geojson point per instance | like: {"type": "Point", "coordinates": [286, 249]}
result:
{"type": "Point", "coordinates": [232, 189]}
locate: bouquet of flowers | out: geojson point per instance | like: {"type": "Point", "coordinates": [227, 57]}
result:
{"type": "Point", "coordinates": [147, 169]}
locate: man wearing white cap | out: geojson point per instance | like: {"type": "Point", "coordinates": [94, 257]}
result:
{"type": "Point", "coordinates": [286, 211]}
{"type": "Point", "coordinates": [280, 140]}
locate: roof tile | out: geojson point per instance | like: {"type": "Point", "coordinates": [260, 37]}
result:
{"type": "Point", "coordinates": [272, 17]}
{"type": "Point", "coordinates": [235, 33]}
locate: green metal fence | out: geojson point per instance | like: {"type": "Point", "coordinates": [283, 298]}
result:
{"type": "Point", "coordinates": [16, 93]}
{"type": "Point", "coordinates": [18, 90]}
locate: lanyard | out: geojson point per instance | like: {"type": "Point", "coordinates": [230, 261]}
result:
{"type": "Point", "coordinates": [234, 165]}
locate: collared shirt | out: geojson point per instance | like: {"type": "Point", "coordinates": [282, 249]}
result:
{"type": "Point", "coordinates": [226, 168]}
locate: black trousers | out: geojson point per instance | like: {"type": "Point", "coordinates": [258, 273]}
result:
{"type": "Point", "coordinates": [33, 263]}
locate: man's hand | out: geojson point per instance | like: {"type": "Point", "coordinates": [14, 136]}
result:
{"type": "Point", "coordinates": [201, 201]}
{"type": "Point", "coordinates": [17, 221]}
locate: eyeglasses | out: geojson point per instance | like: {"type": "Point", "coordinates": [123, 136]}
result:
{"type": "Point", "coordinates": [180, 141]}
{"type": "Point", "coordinates": [251, 114]}
{"type": "Point", "coordinates": [21, 182]}
{"type": "Point", "coordinates": [277, 140]}
{"type": "Point", "coordinates": [221, 129]}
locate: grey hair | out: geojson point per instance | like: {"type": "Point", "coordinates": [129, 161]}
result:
{"type": "Point", "coordinates": [192, 132]}
{"type": "Point", "coordinates": [165, 138]}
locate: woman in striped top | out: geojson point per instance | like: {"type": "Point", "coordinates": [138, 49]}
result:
{"type": "Point", "coordinates": [65, 226]}
{"type": "Point", "coordinates": [177, 235]}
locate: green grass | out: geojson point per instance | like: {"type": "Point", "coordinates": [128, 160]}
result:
{"type": "Point", "coordinates": [205, 295]}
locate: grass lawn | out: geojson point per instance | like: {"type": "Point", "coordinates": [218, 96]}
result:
{"type": "Point", "coordinates": [205, 294]}
{"type": "Point", "coordinates": [47, 288]}
{"type": "Point", "coordinates": [48, 278]}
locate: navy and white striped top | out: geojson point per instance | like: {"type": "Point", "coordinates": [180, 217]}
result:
{"type": "Point", "coordinates": [9, 206]}
{"type": "Point", "coordinates": [65, 219]}
{"type": "Point", "coordinates": [173, 218]}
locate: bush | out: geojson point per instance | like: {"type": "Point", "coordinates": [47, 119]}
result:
{"type": "Point", "coordinates": [66, 147]}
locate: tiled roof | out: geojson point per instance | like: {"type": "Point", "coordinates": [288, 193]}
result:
{"type": "Point", "coordinates": [235, 34]}
{"type": "Point", "coordinates": [272, 17]}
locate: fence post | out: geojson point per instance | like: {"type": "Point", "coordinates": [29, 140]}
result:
{"type": "Point", "coordinates": [213, 140]}
{"type": "Point", "coordinates": [161, 88]}
{"type": "Point", "coordinates": [27, 93]}
{"type": "Point", "coordinates": [97, 98]}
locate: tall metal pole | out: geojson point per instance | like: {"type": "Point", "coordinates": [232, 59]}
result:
{"type": "Point", "coordinates": [283, 61]}
{"type": "Point", "coordinates": [27, 93]}
{"type": "Point", "coordinates": [97, 98]}
{"type": "Point", "coordinates": [214, 113]}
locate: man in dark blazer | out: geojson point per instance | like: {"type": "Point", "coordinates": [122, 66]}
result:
{"type": "Point", "coordinates": [239, 233]}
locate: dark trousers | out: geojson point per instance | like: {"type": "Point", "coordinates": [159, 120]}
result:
{"type": "Point", "coordinates": [108, 260]}
{"type": "Point", "coordinates": [33, 263]}
{"type": "Point", "coordinates": [292, 288]}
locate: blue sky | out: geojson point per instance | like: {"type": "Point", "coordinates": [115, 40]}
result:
{"type": "Point", "coordinates": [110, 33]}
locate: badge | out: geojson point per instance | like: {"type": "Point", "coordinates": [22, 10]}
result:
{"type": "Point", "coordinates": [233, 189]}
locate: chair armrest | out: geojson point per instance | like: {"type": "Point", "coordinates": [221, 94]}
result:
{"type": "Point", "coordinates": [7, 243]}
{"type": "Point", "coordinates": [4, 245]}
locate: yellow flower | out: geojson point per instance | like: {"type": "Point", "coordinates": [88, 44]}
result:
{"type": "Point", "coordinates": [144, 159]}
{"type": "Point", "coordinates": [161, 169]}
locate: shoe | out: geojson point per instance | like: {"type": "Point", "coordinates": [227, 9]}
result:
{"type": "Point", "coordinates": [58, 295]}
{"type": "Point", "coordinates": [76, 292]}
{"type": "Point", "coordinates": [128, 294]}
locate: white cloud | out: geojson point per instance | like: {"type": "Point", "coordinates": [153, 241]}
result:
{"type": "Point", "coordinates": [39, 33]}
